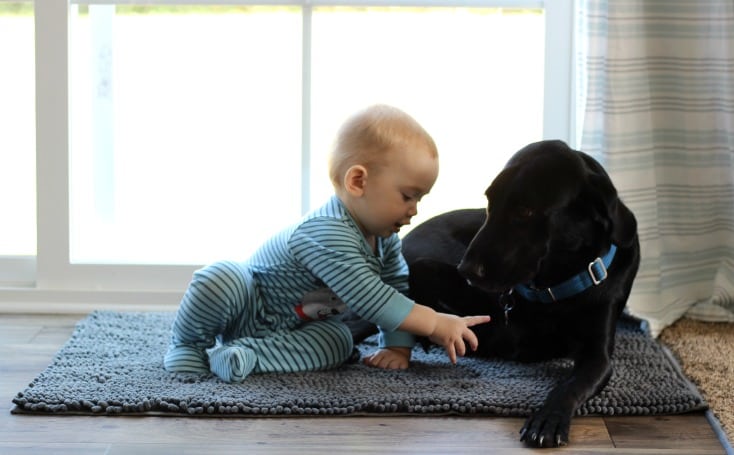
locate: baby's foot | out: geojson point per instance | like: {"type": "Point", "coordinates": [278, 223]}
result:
{"type": "Point", "coordinates": [390, 358]}
{"type": "Point", "coordinates": [186, 359]}
{"type": "Point", "coordinates": [232, 363]}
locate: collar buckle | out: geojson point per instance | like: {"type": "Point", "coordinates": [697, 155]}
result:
{"type": "Point", "coordinates": [597, 271]}
{"type": "Point", "coordinates": [550, 293]}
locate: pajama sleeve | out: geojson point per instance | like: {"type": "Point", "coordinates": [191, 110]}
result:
{"type": "Point", "coordinates": [395, 274]}
{"type": "Point", "coordinates": [334, 252]}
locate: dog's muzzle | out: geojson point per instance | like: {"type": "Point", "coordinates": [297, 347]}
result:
{"type": "Point", "coordinates": [472, 272]}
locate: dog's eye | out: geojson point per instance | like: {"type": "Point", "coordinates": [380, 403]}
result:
{"type": "Point", "coordinates": [525, 213]}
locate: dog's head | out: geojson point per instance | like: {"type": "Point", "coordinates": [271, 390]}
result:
{"type": "Point", "coordinates": [549, 212]}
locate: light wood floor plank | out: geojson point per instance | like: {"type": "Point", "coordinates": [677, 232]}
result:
{"type": "Point", "coordinates": [689, 431]}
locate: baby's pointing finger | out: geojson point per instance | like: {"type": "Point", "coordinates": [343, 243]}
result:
{"type": "Point", "coordinates": [476, 320]}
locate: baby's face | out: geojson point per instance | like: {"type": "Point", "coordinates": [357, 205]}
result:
{"type": "Point", "coordinates": [392, 192]}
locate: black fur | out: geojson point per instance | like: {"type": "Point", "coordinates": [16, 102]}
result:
{"type": "Point", "coordinates": [551, 211]}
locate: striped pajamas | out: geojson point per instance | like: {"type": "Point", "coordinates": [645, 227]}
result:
{"type": "Point", "coordinates": [272, 312]}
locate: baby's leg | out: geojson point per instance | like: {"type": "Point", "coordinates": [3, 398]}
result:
{"type": "Point", "coordinates": [213, 303]}
{"type": "Point", "coordinates": [317, 345]}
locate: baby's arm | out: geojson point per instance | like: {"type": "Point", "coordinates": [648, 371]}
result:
{"type": "Point", "coordinates": [446, 330]}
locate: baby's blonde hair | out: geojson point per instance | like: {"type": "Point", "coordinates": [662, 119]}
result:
{"type": "Point", "coordinates": [370, 134]}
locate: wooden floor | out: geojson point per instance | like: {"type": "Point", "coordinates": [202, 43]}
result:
{"type": "Point", "coordinates": [28, 343]}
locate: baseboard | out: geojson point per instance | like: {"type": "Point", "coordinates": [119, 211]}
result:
{"type": "Point", "coordinates": [720, 433]}
{"type": "Point", "coordinates": [37, 301]}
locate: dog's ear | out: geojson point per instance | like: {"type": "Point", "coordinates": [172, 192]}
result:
{"type": "Point", "coordinates": [624, 224]}
{"type": "Point", "coordinates": [610, 210]}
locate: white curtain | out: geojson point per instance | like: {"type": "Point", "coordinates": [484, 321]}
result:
{"type": "Point", "coordinates": [657, 90]}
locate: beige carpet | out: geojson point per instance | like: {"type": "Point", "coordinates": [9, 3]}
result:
{"type": "Point", "coordinates": [705, 351]}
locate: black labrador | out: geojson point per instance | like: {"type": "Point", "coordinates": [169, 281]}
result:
{"type": "Point", "coordinates": [551, 259]}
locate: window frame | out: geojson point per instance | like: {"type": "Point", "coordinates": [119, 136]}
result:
{"type": "Point", "coordinates": [49, 281]}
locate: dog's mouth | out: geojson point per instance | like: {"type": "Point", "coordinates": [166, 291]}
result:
{"type": "Point", "coordinates": [477, 277]}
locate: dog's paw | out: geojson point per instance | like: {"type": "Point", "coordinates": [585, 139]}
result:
{"type": "Point", "coordinates": [546, 429]}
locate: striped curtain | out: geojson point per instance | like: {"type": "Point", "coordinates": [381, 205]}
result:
{"type": "Point", "coordinates": [657, 108]}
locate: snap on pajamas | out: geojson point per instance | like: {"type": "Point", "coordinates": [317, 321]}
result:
{"type": "Point", "coordinates": [273, 312]}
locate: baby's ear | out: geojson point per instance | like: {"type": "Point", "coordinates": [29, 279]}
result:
{"type": "Point", "coordinates": [355, 180]}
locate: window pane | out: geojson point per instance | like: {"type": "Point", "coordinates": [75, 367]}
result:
{"type": "Point", "coordinates": [186, 131]}
{"type": "Point", "coordinates": [17, 131]}
{"type": "Point", "coordinates": [186, 120]}
{"type": "Point", "coordinates": [472, 76]}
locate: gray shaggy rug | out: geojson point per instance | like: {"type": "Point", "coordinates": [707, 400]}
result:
{"type": "Point", "coordinates": [112, 365]}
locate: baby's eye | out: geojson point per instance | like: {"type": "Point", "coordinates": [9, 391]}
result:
{"type": "Point", "coordinates": [406, 198]}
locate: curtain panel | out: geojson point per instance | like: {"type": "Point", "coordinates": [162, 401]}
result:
{"type": "Point", "coordinates": [657, 89]}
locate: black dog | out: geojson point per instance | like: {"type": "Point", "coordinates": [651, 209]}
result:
{"type": "Point", "coordinates": [551, 260]}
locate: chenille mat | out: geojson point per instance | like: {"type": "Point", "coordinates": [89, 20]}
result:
{"type": "Point", "coordinates": [112, 365]}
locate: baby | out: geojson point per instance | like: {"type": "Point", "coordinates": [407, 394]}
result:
{"type": "Point", "coordinates": [273, 312]}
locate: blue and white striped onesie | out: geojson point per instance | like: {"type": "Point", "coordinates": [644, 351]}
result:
{"type": "Point", "coordinates": [271, 313]}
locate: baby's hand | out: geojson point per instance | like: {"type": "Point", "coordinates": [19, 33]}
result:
{"type": "Point", "coordinates": [391, 358]}
{"type": "Point", "coordinates": [451, 331]}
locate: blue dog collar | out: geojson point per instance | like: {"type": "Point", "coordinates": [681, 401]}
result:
{"type": "Point", "coordinates": [595, 273]}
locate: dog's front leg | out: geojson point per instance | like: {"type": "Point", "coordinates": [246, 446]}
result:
{"type": "Point", "coordinates": [550, 425]}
